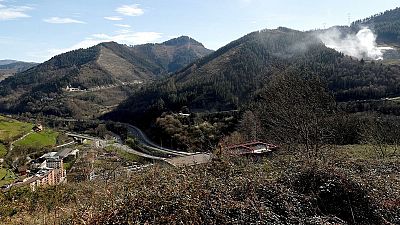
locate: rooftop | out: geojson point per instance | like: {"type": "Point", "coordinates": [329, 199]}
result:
{"type": "Point", "coordinates": [48, 155]}
{"type": "Point", "coordinates": [252, 148]}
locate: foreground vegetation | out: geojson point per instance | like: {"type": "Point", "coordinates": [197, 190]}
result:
{"type": "Point", "coordinates": [340, 187]}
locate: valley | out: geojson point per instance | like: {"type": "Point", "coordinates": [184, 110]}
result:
{"type": "Point", "coordinates": [279, 126]}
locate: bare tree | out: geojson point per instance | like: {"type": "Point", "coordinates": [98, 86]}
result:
{"type": "Point", "coordinates": [295, 110]}
{"type": "Point", "coordinates": [383, 136]}
{"type": "Point", "coordinates": [250, 126]}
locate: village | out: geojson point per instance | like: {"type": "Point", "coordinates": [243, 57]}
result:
{"type": "Point", "coordinates": [47, 170]}
{"type": "Point", "coordinates": [84, 157]}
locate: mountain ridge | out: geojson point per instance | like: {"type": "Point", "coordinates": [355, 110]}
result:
{"type": "Point", "coordinates": [108, 65]}
{"type": "Point", "coordinates": [231, 77]}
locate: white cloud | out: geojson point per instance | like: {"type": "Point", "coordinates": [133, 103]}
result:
{"type": "Point", "coordinates": [58, 20]}
{"type": "Point", "coordinates": [113, 18]}
{"type": "Point", "coordinates": [123, 25]}
{"type": "Point", "coordinates": [127, 37]}
{"type": "Point", "coordinates": [14, 12]}
{"type": "Point", "coordinates": [130, 10]}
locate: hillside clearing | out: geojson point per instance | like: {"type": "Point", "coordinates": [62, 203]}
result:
{"type": "Point", "coordinates": [43, 139]}
{"type": "Point", "coordinates": [11, 129]}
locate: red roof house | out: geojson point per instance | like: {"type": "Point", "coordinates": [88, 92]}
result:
{"type": "Point", "coordinates": [252, 148]}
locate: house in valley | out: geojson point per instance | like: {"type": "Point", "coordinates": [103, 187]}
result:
{"type": "Point", "coordinates": [251, 148]}
{"type": "Point", "coordinates": [38, 128]}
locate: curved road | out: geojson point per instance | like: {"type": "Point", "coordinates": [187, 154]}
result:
{"type": "Point", "coordinates": [130, 150]}
{"type": "Point", "coordinates": [116, 145]}
{"type": "Point", "coordinates": [143, 139]}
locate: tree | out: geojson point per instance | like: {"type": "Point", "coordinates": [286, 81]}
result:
{"type": "Point", "coordinates": [101, 130]}
{"type": "Point", "coordinates": [250, 126]}
{"type": "Point", "coordinates": [383, 135]}
{"type": "Point", "coordinates": [295, 110]}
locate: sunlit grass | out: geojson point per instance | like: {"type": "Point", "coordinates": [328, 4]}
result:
{"type": "Point", "coordinates": [11, 129]}
{"type": "Point", "coordinates": [46, 138]}
{"type": "Point", "coordinates": [367, 151]}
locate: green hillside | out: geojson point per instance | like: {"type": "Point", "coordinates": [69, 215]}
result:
{"type": "Point", "coordinates": [12, 129]}
{"type": "Point", "coordinates": [232, 77]}
{"type": "Point", "coordinates": [40, 140]}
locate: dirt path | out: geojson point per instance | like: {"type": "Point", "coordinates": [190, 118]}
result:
{"type": "Point", "coordinates": [12, 143]}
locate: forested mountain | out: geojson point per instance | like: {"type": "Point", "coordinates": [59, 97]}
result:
{"type": "Point", "coordinates": [110, 67]}
{"type": "Point", "coordinates": [174, 54]}
{"type": "Point", "coordinates": [386, 25]}
{"type": "Point", "coordinates": [232, 77]}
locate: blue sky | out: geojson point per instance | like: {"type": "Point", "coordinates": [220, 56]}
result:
{"type": "Point", "coordinates": [36, 30]}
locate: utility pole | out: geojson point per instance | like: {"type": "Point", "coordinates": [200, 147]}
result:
{"type": "Point", "coordinates": [349, 19]}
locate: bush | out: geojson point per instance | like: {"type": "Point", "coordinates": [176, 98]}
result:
{"type": "Point", "coordinates": [335, 194]}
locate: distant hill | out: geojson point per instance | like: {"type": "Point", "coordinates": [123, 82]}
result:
{"type": "Point", "coordinates": [11, 67]}
{"type": "Point", "coordinates": [18, 66]}
{"type": "Point", "coordinates": [6, 61]}
{"type": "Point", "coordinates": [232, 77]}
{"type": "Point", "coordinates": [99, 77]}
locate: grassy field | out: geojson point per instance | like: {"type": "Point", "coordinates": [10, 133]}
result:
{"type": "Point", "coordinates": [11, 129]}
{"type": "Point", "coordinates": [367, 152]}
{"type": "Point", "coordinates": [43, 139]}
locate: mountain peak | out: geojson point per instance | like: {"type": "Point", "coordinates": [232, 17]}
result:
{"type": "Point", "coordinates": [109, 44]}
{"type": "Point", "coordinates": [182, 40]}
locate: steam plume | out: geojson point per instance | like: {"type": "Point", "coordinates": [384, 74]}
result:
{"type": "Point", "coordinates": [361, 45]}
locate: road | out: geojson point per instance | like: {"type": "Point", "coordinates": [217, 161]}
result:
{"type": "Point", "coordinates": [144, 140]}
{"type": "Point", "coordinates": [64, 145]}
{"type": "Point", "coordinates": [82, 136]}
{"type": "Point", "coordinates": [141, 137]}
{"type": "Point", "coordinates": [130, 150]}
{"type": "Point", "coordinates": [117, 145]}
